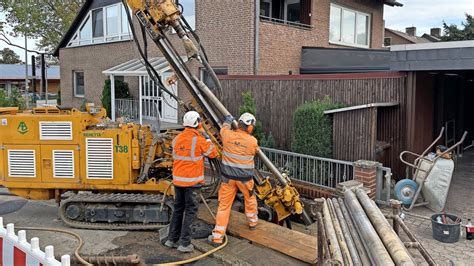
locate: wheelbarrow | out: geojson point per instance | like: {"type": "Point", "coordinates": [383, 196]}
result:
{"type": "Point", "coordinates": [431, 175]}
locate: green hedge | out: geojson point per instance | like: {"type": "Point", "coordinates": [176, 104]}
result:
{"type": "Point", "coordinates": [14, 100]}
{"type": "Point", "coordinates": [312, 129]}
{"type": "Point", "coordinates": [121, 92]}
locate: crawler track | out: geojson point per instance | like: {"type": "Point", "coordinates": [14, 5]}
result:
{"type": "Point", "coordinates": [83, 202]}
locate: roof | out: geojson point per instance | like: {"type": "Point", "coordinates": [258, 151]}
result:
{"type": "Point", "coordinates": [17, 72]}
{"type": "Point", "coordinates": [433, 56]}
{"type": "Point", "coordinates": [413, 39]}
{"type": "Point", "coordinates": [363, 106]}
{"type": "Point", "coordinates": [392, 3]}
{"type": "Point", "coordinates": [135, 67]}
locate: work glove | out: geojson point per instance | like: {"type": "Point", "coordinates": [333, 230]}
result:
{"type": "Point", "coordinates": [206, 136]}
{"type": "Point", "coordinates": [229, 119]}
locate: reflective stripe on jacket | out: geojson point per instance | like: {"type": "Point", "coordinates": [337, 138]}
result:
{"type": "Point", "coordinates": [239, 149]}
{"type": "Point", "coordinates": [189, 149]}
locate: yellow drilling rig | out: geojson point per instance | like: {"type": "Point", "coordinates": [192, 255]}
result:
{"type": "Point", "coordinates": [53, 153]}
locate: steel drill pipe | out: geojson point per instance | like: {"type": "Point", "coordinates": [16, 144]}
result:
{"type": "Point", "coordinates": [374, 245]}
{"type": "Point", "coordinates": [346, 255]}
{"type": "Point", "coordinates": [347, 235]}
{"type": "Point", "coordinates": [392, 242]}
{"type": "Point", "coordinates": [323, 249]}
{"type": "Point", "coordinates": [364, 257]}
{"type": "Point", "coordinates": [334, 248]}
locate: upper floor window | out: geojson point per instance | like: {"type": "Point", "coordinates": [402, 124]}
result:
{"type": "Point", "coordinates": [290, 12]}
{"type": "Point", "coordinates": [104, 24]}
{"type": "Point", "coordinates": [348, 27]}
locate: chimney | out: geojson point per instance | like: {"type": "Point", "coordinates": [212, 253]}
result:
{"type": "Point", "coordinates": [411, 31]}
{"type": "Point", "coordinates": [436, 32]}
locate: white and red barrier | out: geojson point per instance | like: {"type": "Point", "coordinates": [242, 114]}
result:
{"type": "Point", "coordinates": [16, 251]}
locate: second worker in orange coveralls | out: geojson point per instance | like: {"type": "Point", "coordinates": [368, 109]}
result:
{"type": "Point", "coordinates": [239, 149]}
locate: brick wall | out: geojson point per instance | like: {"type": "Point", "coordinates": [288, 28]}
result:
{"type": "Point", "coordinates": [280, 45]}
{"type": "Point", "coordinates": [366, 172]}
{"type": "Point", "coordinates": [226, 28]}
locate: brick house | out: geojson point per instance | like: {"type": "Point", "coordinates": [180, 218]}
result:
{"type": "Point", "coordinates": [241, 37]}
{"type": "Point", "coordinates": [395, 37]}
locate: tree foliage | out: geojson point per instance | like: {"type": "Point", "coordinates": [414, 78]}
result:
{"type": "Point", "coordinates": [249, 106]}
{"type": "Point", "coordinates": [8, 56]}
{"type": "Point", "coordinates": [14, 100]}
{"type": "Point", "coordinates": [453, 33]}
{"type": "Point", "coordinates": [47, 20]}
{"type": "Point", "coordinates": [312, 129]}
{"type": "Point", "coordinates": [121, 92]}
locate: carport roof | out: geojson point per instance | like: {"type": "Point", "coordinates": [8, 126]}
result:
{"type": "Point", "coordinates": [136, 67]}
{"type": "Point", "coordinates": [457, 55]}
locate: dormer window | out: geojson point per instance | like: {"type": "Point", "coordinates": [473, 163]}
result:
{"type": "Point", "coordinates": [101, 25]}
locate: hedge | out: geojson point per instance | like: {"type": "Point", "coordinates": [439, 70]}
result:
{"type": "Point", "coordinates": [312, 129]}
{"type": "Point", "coordinates": [121, 92]}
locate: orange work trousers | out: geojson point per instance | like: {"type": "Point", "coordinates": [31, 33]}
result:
{"type": "Point", "coordinates": [226, 197]}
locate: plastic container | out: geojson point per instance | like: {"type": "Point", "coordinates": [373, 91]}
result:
{"type": "Point", "coordinates": [446, 233]}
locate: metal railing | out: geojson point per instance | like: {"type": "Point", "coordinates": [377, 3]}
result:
{"type": "Point", "coordinates": [285, 22]}
{"type": "Point", "coordinates": [311, 169]}
{"type": "Point", "coordinates": [128, 109]}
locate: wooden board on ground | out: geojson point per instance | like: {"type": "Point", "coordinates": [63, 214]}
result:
{"type": "Point", "coordinates": [292, 243]}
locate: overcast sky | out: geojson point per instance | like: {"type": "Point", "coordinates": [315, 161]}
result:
{"type": "Point", "coordinates": [423, 14]}
{"type": "Point", "coordinates": [426, 14]}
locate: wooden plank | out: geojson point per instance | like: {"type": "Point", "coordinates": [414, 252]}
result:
{"type": "Point", "coordinates": [292, 243]}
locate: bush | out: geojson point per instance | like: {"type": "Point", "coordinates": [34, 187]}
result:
{"type": "Point", "coordinates": [249, 106]}
{"type": "Point", "coordinates": [121, 92]}
{"type": "Point", "coordinates": [312, 129]}
{"type": "Point", "coordinates": [15, 99]}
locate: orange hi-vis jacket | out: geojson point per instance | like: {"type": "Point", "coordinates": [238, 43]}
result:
{"type": "Point", "coordinates": [239, 149]}
{"type": "Point", "coordinates": [189, 149]}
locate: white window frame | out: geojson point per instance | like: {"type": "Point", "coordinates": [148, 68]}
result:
{"type": "Point", "coordinates": [355, 44]}
{"type": "Point", "coordinates": [122, 36]}
{"type": "Point", "coordinates": [75, 84]}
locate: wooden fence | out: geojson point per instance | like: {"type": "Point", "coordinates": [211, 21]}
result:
{"type": "Point", "coordinates": [277, 98]}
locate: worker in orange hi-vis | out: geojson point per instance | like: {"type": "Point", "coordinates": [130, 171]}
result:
{"type": "Point", "coordinates": [189, 149]}
{"type": "Point", "coordinates": [239, 149]}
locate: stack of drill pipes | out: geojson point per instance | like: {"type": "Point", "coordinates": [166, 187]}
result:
{"type": "Point", "coordinates": [346, 256]}
{"type": "Point", "coordinates": [334, 249]}
{"type": "Point", "coordinates": [347, 235]}
{"type": "Point", "coordinates": [392, 242]}
{"type": "Point", "coordinates": [375, 246]}
{"type": "Point", "coordinates": [364, 257]}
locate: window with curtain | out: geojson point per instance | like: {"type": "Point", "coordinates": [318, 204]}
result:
{"type": "Point", "coordinates": [348, 27]}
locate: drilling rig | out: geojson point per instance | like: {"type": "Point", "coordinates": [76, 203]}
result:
{"type": "Point", "coordinates": [117, 176]}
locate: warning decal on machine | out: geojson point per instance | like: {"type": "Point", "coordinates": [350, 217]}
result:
{"type": "Point", "coordinates": [4, 122]}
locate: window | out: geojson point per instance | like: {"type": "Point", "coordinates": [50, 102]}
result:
{"type": "Point", "coordinates": [387, 41]}
{"type": "Point", "coordinates": [206, 76]}
{"type": "Point", "coordinates": [290, 12]}
{"type": "Point", "coordinates": [79, 90]}
{"type": "Point", "coordinates": [97, 23]}
{"type": "Point", "coordinates": [348, 27]}
{"type": "Point", "coordinates": [104, 24]}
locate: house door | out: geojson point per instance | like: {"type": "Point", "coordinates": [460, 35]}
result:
{"type": "Point", "coordinates": [156, 103]}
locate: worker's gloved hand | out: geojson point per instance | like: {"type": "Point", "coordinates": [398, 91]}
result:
{"type": "Point", "coordinates": [205, 135]}
{"type": "Point", "coordinates": [229, 119]}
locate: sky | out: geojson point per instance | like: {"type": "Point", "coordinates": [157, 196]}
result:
{"type": "Point", "coordinates": [427, 14]}
{"type": "Point", "coordinates": [423, 14]}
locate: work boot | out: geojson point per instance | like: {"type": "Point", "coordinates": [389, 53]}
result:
{"type": "Point", "coordinates": [186, 249]}
{"type": "Point", "coordinates": [171, 244]}
{"type": "Point", "coordinates": [210, 241]}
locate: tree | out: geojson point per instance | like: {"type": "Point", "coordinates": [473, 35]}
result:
{"type": "Point", "coordinates": [8, 56]}
{"type": "Point", "coordinates": [47, 20]}
{"type": "Point", "coordinates": [453, 33]}
{"type": "Point", "coordinates": [121, 92]}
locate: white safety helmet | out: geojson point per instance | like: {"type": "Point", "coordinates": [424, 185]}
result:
{"type": "Point", "coordinates": [248, 119]}
{"type": "Point", "coordinates": [191, 119]}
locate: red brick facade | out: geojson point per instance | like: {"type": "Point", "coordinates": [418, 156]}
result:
{"type": "Point", "coordinates": [366, 172]}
